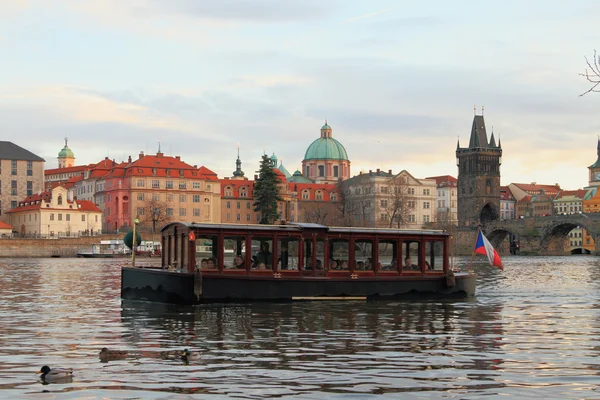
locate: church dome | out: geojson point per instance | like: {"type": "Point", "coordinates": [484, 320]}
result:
{"type": "Point", "coordinates": [66, 152]}
{"type": "Point", "coordinates": [326, 147]}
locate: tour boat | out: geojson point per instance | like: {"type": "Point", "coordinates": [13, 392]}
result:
{"type": "Point", "coordinates": [295, 261]}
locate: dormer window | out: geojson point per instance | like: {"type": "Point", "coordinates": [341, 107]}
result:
{"type": "Point", "coordinates": [59, 201]}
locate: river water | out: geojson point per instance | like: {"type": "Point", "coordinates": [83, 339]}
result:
{"type": "Point", "coordinates": [532, 331]}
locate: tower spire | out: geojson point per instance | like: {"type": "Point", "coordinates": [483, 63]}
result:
{"type": "Point", "coordinates": [238, 173]}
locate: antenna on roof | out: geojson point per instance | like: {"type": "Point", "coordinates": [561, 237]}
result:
{"type": "Point", "coordinates": [482, 111]}
{"type": "Point", "coordinates": [159, 145]}
{"type": "Point", "coordinates": [474, 109]}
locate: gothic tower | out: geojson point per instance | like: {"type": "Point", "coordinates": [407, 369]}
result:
{"type": "Point", "coordinates": [478, 177]}
{"type": "Point", "coordinates": [595, 169]}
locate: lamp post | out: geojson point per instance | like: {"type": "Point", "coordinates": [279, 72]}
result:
{"type": "Point", "coordinates": [133, 241]}
{"type": "Point", "coordinates": [155, 216]}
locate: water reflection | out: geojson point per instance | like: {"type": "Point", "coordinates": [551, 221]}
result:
{"type": "Point", "coordinates": [532, 329]}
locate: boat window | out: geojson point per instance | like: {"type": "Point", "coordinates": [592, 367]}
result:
{"type": "Point", "coordinates": [289, 250]}
{"type": "Point", "coordinates": [363, 255]}
{"type": "Point", "coordinates": [206, 252]}
{"type": "Point", "coordinates": [386, 255]}
{"type": "Point", "coordinates": [262, 256]}
{"type": "Point", "coordinates": [434, 255]}
{"type": "Point", "coordinates": [234, 252]}
{"type": "Point", "coordinates": [411, 251]}
{"type": "Point", "coordinates": [339, 249]}
{"type": "Point", "coordinates": [320, 254]}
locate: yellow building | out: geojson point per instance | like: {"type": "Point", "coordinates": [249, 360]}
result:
{"type": "Point", "coordinates": [53, 214]}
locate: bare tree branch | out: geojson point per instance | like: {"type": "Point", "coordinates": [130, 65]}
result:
{"type": "Point", "coordinates": [592, 74]}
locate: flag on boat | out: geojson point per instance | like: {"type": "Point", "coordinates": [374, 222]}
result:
{"type": "Point", "coordinates": [483, 246]}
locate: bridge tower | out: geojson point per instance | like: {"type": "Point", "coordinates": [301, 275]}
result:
{"type": "Point", "coordinates": [595, 169]}
{"type": "Point", "coordinates": [478, 177]}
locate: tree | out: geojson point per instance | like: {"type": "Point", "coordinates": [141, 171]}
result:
{"type": "Point", "coordinates": [592, 74]}
{"type": "Point", "coordinates": [400, 202]}
{"type": "Point", "coordinates": [354, 207]}
{"type": "Point", "coordinates": [266, 192]}
{"type": "Point", "coordinates": [153, 214]}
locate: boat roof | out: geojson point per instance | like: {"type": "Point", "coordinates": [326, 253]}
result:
{"type": "Point", "coordinates": [303, 226]}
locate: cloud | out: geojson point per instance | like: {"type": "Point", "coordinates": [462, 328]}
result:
{"type": "Point", "coordinates": [369, 15]}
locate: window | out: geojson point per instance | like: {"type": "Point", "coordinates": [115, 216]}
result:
{"type": "Point", "coordinates": [83, 218]}
{"type": "Point", "coordinates": [333, 196]}
{"type": "Point", "coordinates": [182, 212]}
{"type": "Point", "coordinates": [60, 217]}
{"type": "Point", "coordinates": [52, 217]}
{"type": "Point", "coordinates": [384, 203]}
{"type": "Point", "coordinates": [384, 217]}
{"type": "Point", "coordinates": [196, 185]}
{"type": "Point", "coordinates": [410, 190]}
{"type": "Point", "coordinates": [13, 167]}
{"type": "Point", "coordinates": [228, 204]}
{"type": "Point", "coordinates": [140, 196]}
{"type": "Point", "coordinates": [169, 212]}
{"type": "Point", "coordinates": [239, 217]}
{"type": "Point", "coordinates": [196, 212]}
{"type": "Point", "coordinates": [248, 205]}
{"type": "Point", "coordinates": [13, 188]}
{"type": "Point", "coordinates": [336, 171]}
{"type": "Point", "coordinates": [59, 201]}
{"type": "Point", "coordinates": [248, 217]}
{"type": "Point", "coordinates": [169, 184]}
{"type": "Point", "coordinates": [155, 184]}
{"type": "Point", "coordinates": [170, 197]}
{"type": "Point", "coordinates": [426, 192]}
{"type": "Point", "coordinates": [319, 195]}
{"type": "Point", "coordinates": [29, 168]}
{"type": "Point", "coordinates": [29, 188]}
{"type": "Point", "coordinates": [155, 196]}
{"type": "Point", "coordinates": [196, 198]}
{"type": "Point", "coordinates": [140, 183]}
{"type": "Point", "coordinates": [321, 170]}
{"type": "Point", "coordinates": [243, 192]}
{"type": "Point", "coordinates": [411, 204]}
{"type": "Point", "coordinates": [307, 171]}
{"type": "Point", "coordinates": [411, 218]}
{"type": "Point", "coordinates": [228, 217]}
{"type": "Point", "coordinates": [305, 195]}
{"type": "Point", "coordinates": [182, 184]}
{"type": "Point", "coordinates": [426, 218]}
{"type": "Point", "coordinates": [228, 191]}
{"type": "Point", "coordinates": [426, 205]}
{"type": "Point", "coordinates": [68, 217]}
{"type": "Point", "coordinates": [182, 198]}
{"type": "Point", "coordinates": [141, 211]}
{"type": "Point", "coordinates": [384, 189]}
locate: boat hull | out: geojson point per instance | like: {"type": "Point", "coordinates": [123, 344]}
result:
{"type": "Point", "coordinates": [179, 288]}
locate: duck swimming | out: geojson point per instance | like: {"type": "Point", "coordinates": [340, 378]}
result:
{"type": "Point", "coordinates": [55, 374]}
{"type": "Point", "coordinates": [111, 355]}
{"type": "Point", "coordinates": [188, 356]}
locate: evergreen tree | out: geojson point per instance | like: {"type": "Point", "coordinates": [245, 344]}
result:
{"type": "Point", "coordinates": [266, 192]}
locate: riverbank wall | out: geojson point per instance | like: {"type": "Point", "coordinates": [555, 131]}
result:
{"type": "Point", "coordinates": [63, 247]}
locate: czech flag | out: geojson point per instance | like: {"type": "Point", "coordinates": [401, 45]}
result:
{"type": "Point", "coordinates": [483, 246]}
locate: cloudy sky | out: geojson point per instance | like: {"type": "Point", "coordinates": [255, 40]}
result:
{"type": "Point", "coordinates": [397, 81]}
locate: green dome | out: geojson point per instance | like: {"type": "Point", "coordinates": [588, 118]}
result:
{"type": "Point", "coordinates": [326, 149]}
{"type": "Point", "coordinates": [325, 126]}
{"type": "Point", "coordinates": [66, 153]}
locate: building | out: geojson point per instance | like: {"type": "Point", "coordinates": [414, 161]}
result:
{"type": "Point", "coordinates": [569, 201]}
{"type": "Point", "coordinates": [447, 210]}
{"type": "Point", "coordinates": [326, 160]}
{"type": "Point", "coordinates": [66, 157]}
{"type": "Point", "coordinates": [520, 190]}
{"type": "Point", "coordinates": [478, 177]}
{"type": "Point", "coordinates": [594, 169]}
{"type": "Point", "coordinates": [21, 175]}
{"type": "Point", "coordinates": [507, 204]}
{"type": "Point", "coordinates": [382, 199]}
{"type": "Point", "coordinates": [53, 214]}
{"type": "Point", "coordinates": [157, 189]}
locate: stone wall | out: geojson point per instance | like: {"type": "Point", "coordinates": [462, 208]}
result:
{"type": "Point", "coordinates": [64, 247]}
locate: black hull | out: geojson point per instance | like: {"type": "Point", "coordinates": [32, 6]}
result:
{"type": "Point", "coordinates": [178, 288]}
{"type": "Point", "coordinates": [92, 255]}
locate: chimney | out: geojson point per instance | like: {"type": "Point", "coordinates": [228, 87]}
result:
{"type": "Point", "coordinates": [378, 171]}
{"type": "Point", "coordinates": [195, 166]}
{"type": "Point", "coordinates": [390, 172]}
{"type": "Point", "coordinates": [370, 171]}
{"type": "Point", "coordinates": [255, 177]}
{"type": "Point", "coordinates": [141, 155]}
{"type": "Point", "coordinates": [129, 159]}
{"type": "Point", "coordinates": [177, 157]}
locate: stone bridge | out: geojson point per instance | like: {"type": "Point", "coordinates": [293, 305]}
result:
{"type": "Point", "coordinates": [542, 235]}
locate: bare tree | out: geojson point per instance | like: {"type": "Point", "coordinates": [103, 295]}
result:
{"type": "Point", "coordinates": [316, 213]}
{"type": "Point", "coordinates": [592, 74]}
{"type": "Point", "coordinates": [154, 215]}
{"type": "Point", "coordinates": [400, 201]}
{"type": "Point", "coordinates": [356, 203]}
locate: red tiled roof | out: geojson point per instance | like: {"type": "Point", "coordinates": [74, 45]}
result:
{"type": "Point", "coordinates": [505, 193]}
{"type": "Point", "coordinates": [86, 205]}
{"type": "Point", "coordinates": [443, 179]}
{"type": "Point", "coordinates": [4, 225]}
{"type": "Point", "coordinates": [534, 187]}
{"type": "Point", "coordinates": [526, 199]}
{"type": "Point", "coordinates": [579, 193]}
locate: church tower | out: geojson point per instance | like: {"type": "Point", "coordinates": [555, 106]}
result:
{"type": "Point", "coordinates": [66, 158]}
{"type": "Point", "coordinates": [478, 177]}
{"type": "Point", "coordinates": [595, 169]}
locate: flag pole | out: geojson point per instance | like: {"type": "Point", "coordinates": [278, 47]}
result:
{"type": "Point", "coordinates": [473, 253]}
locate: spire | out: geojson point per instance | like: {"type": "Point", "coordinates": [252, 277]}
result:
{"type": "Point", "coordinates": [238, 173]}
{"type": "Point", "coordinates": [457, 142]}
{"type": "Point", "coordinates": [492, 140]}
{"type": "Point", "coordinates": [478, 134]}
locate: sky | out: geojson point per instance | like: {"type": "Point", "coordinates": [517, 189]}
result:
{"type": "Point", "coordinates": [397, 81]}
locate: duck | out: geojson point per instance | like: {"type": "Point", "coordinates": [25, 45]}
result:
{"type": "Point", "coordinates": [188, 356]}
{"type": "Point", "coordinates": [111, 355]}
{"type": "Point", "coordinates": [55, 374]}
{"type": "Point", "coordinates": [170, 355]}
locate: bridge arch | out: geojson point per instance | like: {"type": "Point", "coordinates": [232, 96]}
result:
{"type": "Point", "coordinates": [488, 213]}
{"type": "Point", "coordinates": [555, 235]}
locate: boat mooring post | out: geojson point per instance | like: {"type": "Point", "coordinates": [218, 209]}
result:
{"type": "Point", "coordinates": [135, 222]}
